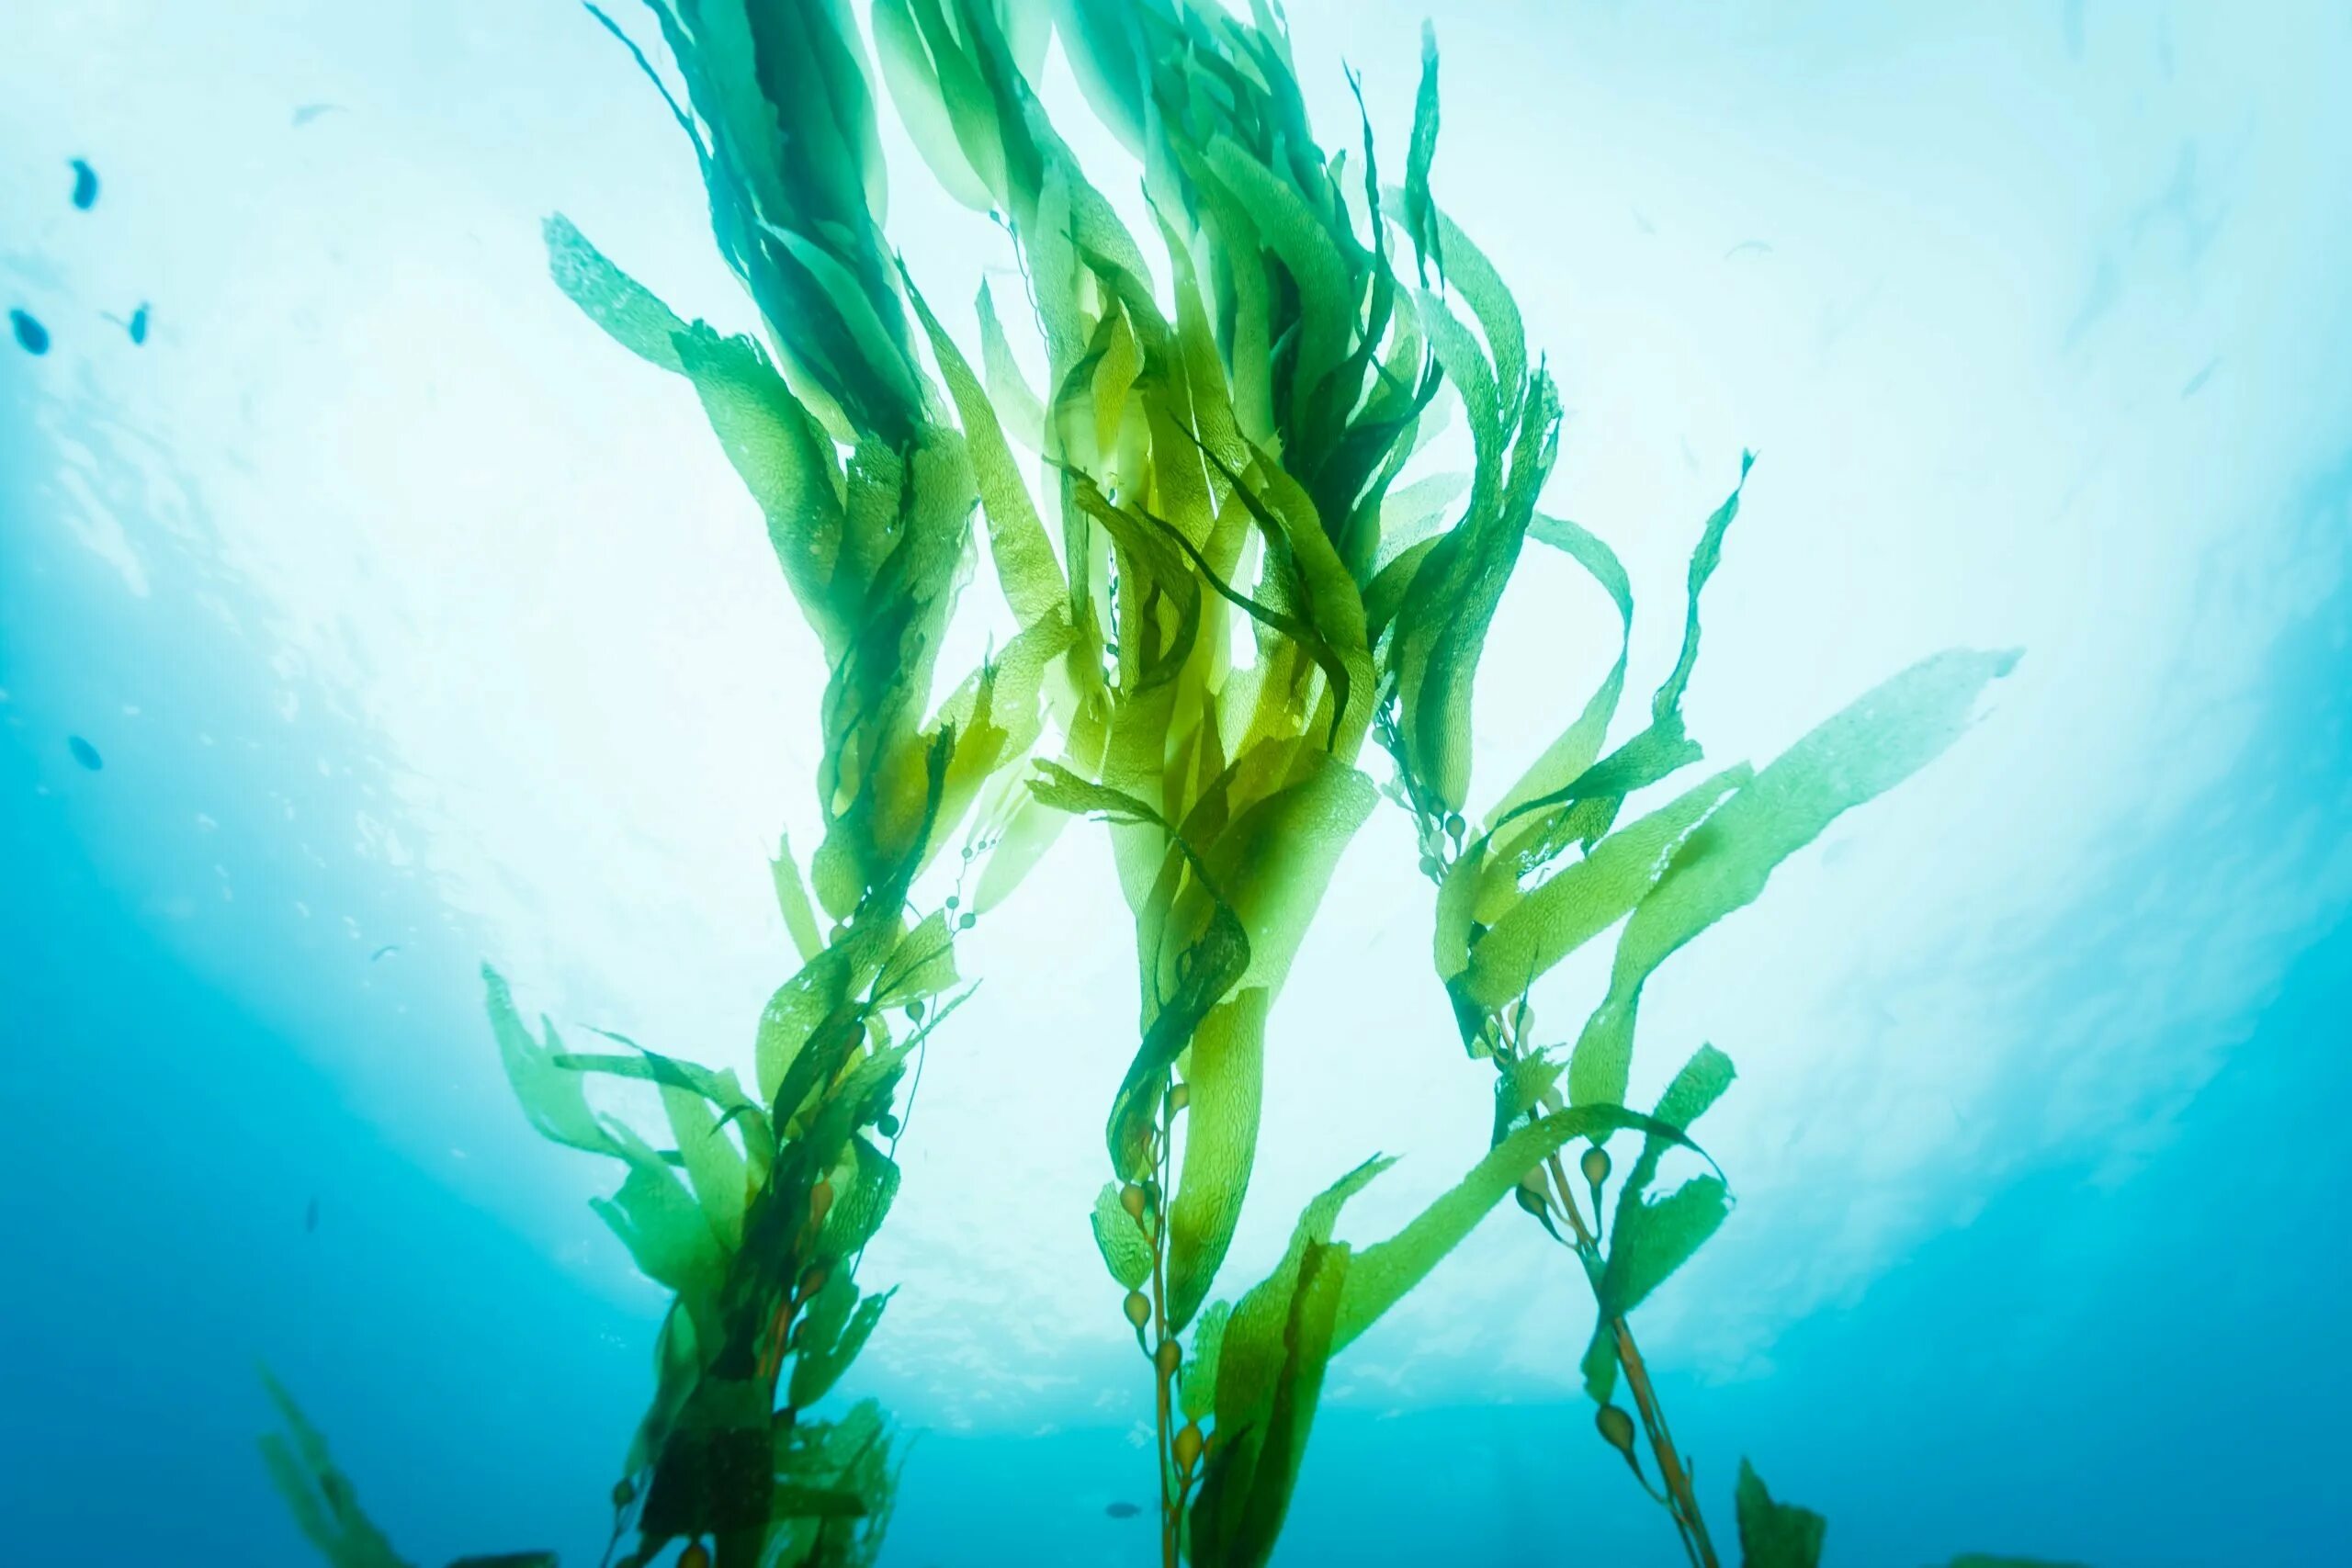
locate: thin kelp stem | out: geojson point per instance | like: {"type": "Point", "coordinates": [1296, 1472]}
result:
{"type": "Point", "coordinates": [1681, 1499]}
{"type": "Point", "coordinates": [1171, 1503]}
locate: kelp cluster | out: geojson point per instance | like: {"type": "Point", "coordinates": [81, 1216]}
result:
{"type": "Point", "coordinates": [1237, 574]}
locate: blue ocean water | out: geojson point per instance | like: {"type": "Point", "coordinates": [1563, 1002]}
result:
{"type": "Point", "coordinates": [252, 1115]}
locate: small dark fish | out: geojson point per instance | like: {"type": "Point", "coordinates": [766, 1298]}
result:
{"type": "Point", "coordinates": [310, 1216]}
{"type": "Point", "coordinates": [1122, 1510]}
{"type": "Point", "coordinates": [310, 112]}
{"type": "Point", "coordinates": [383, 952]}
{"type": "Point", "coordinates": [31, 336]}
{"type": "Point", "coordinates": [138, 325]}
{"type": "Point", "coordinates": [85, 186]}
{"type": "Point", "coordinates": [2196, 382]}
{"type": "Point", "coordinates": [84, 753]}
{"type": "Point", "coordinates": [1749, 248]}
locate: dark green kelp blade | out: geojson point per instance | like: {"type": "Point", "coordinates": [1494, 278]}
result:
{"type": "Point", "coordinates": [1775, 1535]}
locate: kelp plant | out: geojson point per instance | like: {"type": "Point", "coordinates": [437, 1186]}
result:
{"type": "Point", "coordinates": [1230, 461]}
{"type": "Point", "coordinates": [755, 1208]}
{"type": "Point", "coordinates": [1547, 869]}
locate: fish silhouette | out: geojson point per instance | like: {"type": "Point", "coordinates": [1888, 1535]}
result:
{"type": "Point", "coordinates": [1122, 1510]}
{"type": "Point", "coordinates": [84, 753]}
{"type": "Point", "coordinates": [85, 186]}
{"type": "Point", "coordinates": [31, 336]}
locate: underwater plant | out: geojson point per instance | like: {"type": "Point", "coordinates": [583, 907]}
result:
{"type": "Point", "coordinates": [758, 1215]}
{"type": "Point", "coordinates": [1246, 592]}
{"type": "Point", "coordinates": [1235, 460]}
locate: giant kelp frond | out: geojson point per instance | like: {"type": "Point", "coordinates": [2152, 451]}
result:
{"type": "Point", "coordinates": [754, 1206]}
{"type": "Point", "coordinates": [324, 1504]}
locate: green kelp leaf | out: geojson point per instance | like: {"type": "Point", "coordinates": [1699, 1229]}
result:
{"type": "Point", "coordinates": [1025, 565]}
{"type": "Point", "coordinates": [1381, 1274]}
{"type": "Point", "coordinates": [831, 1346]}
{"type": "Point", "coordinates": [1599, 1365]}
{"type": "Point", "coordinates": [1319, 274]}
{"type": "Point", "coordinates": [323, 1500]}
{"type": "Point", "coordinates": [1472, 277]}
{"type": "Point", "coordinates": [1704, 557]}
{"type": "Point", "coordinates": [810, 1005]}
{"type": "Point", "coordinates": [1582, 809]}
{"type": "Point", "coordinates": [625, 308]}
{"type": "Point", "coordinates": [1245, 1491]}
{"type": "Point", "coordinates": [553, 1098]}
{"type": "Point", "coordinates": [1775, 1535]}
{"type": "Point", "coordinates": [785, 460]}
{"type": "Point", "coordinates": [860, 1202]}
{"type": "Point", "coordinates": [1588, 896]}
{"type": "Point", "coordinates": [1414, 513]}
{"type": "Point", "coordinates": [1882, 739]}
{"type": "Point", "coordinates": [1020, 411]}
{"type": "Point", "coordinates": [1653, 1238]}
{"type": "Point", "coordinates": [792, 902]}
{"type": "Point", "coordinates": [1275, 860]}
{"type": "Point", "coordinates": [1420, 211]}
{"type": "Point", "coordinates": [1579, 745]}
{"type": "Point", "coordinates": [914, 82]}
{"type": "Point", "coordinates": [1225, 1083]}
{"type": "Point", "coordinates": [662, 1225]}
{"type": "Point", "coordinates": [1213, 965]}
{"type": "Point", "coordinates": [1065, 791]}
{"type": "Point", "coordinates": [714, 1168]}
{"type": "Point", "coordinates": [1196, 1392]}
{"type": "Point", "coordinates": [1702, 1082]}
{"type": "Point", "coordinates": [923, 964]}
{"type": "Point", "coordinates": [1252, 1354]}
{"type": "Point", "coordinates": [1125, 1252]}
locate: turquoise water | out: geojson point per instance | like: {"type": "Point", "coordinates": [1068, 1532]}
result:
{"type": "Point", "coordinates": [409, 630]}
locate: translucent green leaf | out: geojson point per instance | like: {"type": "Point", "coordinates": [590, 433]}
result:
{"type": "Point", "coordinates": [923, 964]}
{"type": "Point", "coordinates": [820, 1364]}
{"type": "Point", "coordinates": [1275, 860]}
{"type": "Point", "coordinates": [554, 1099]}
{"type": "Point", "coordinates": [1196, 1393]}
{"type": "Point", "coordinates": [1381, 1274]}
{"type": "Point", "coordinates": [1125, 1251]}
{"type": "Point", "coordinates": [1653, 1237]}
{"type": "Point", "coordinates": [1587, 897]}
{"type": "Point", "coordinates": [1775, 1535]}
{"type": "Point", "coordinates": [662, 1225]}
{"type": "Point", "coordinates": [1020, 412]}
{"type": "Point", "coordinates": [1025, 565]}
{"type": "Point", "coordinates": [323, 1500]}
{"type": "Point", "coordinates": [1873, 745]}
{"type": "Point", "coordinates": [913, 81]}
{"type": "Point", "coordinates": [1225, 1083]}
{"type": "Point", "coordinates": [1245, 1491]}
{"type": "Point", "coordinates": [626, 308]}
{"type": "Point", "coordinates": [1578, 745]}
{"type": "Point", "coordinates": [1420, 211]}
{"type": "Point", "coordinates": [785, 460]}
{"type": "Point", "coordinates": [792, 902]}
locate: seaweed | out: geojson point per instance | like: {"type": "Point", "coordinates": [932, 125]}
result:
{"type": "Point", "coordinates": [1228, 582]}
{"type": "Point", "coordinates": [1547, 869]}
{"type": "Point", "coordinates": [1221, 464]}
